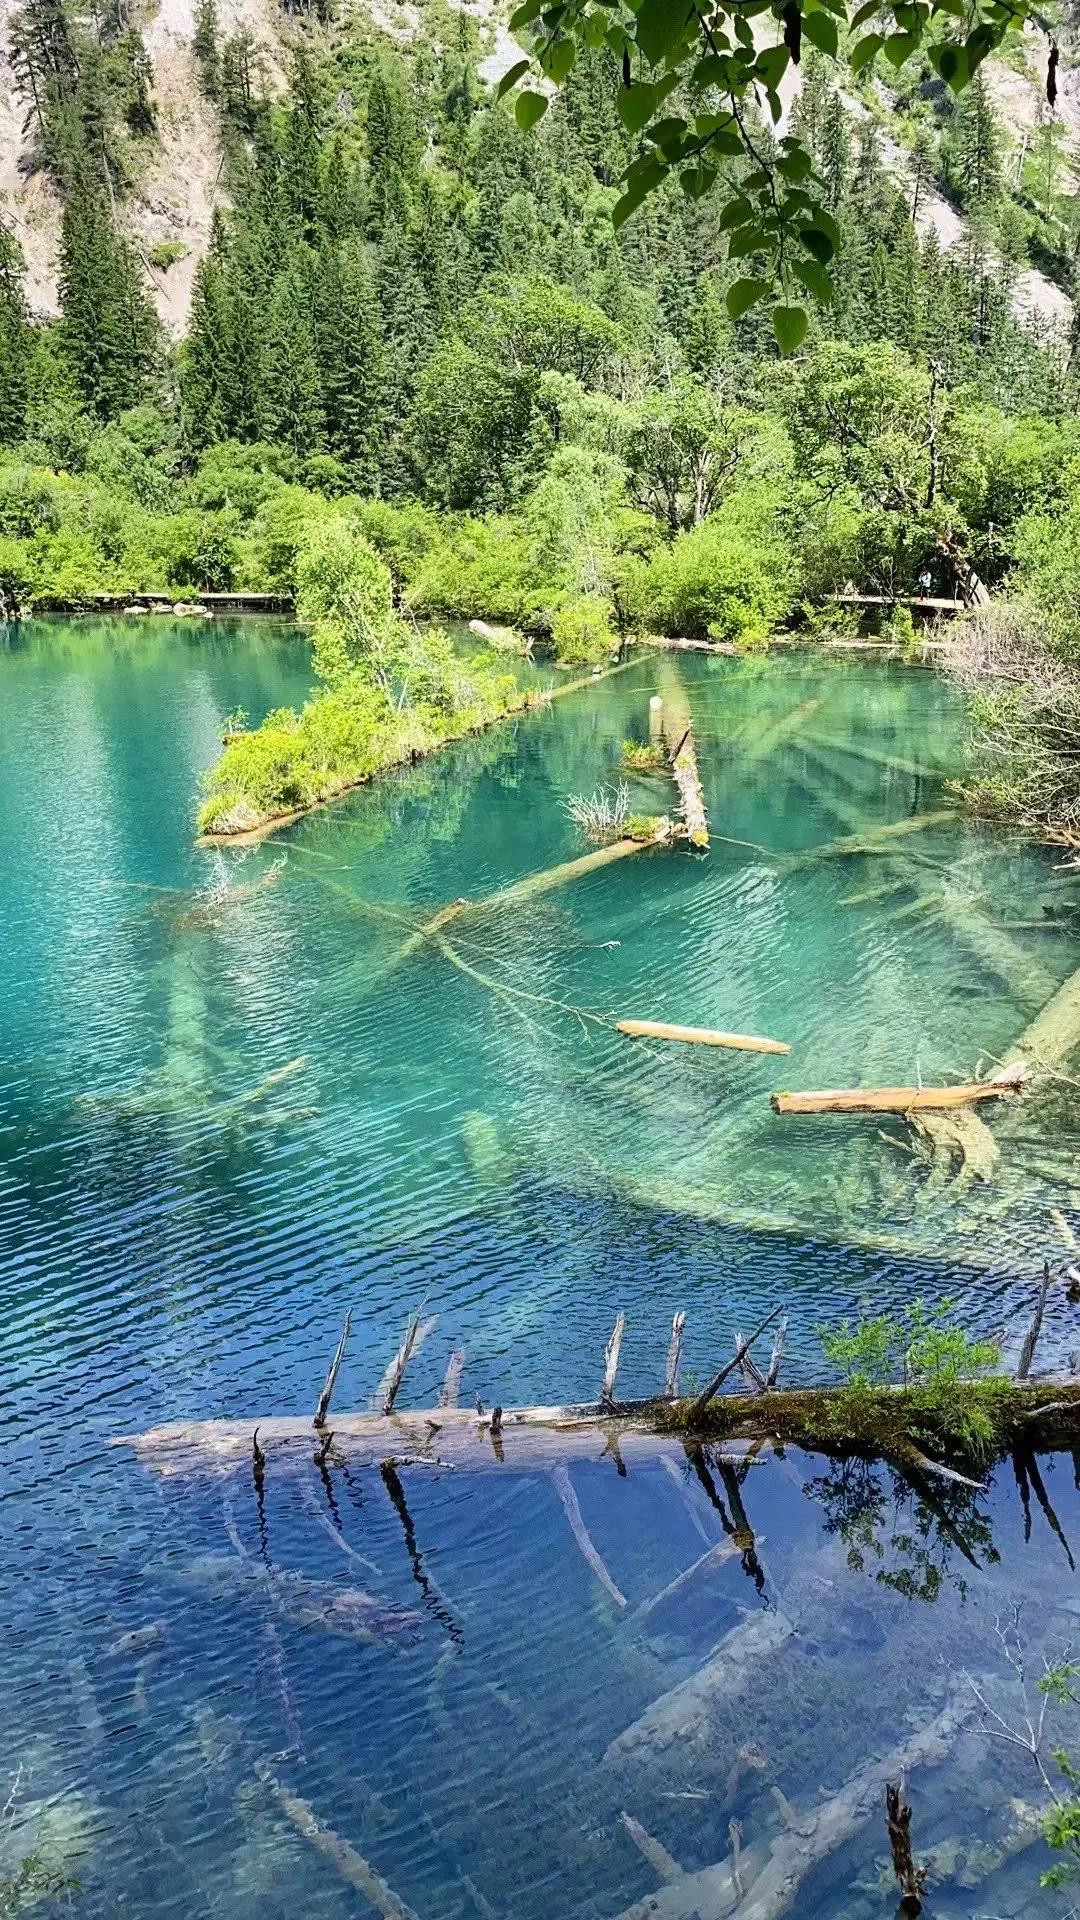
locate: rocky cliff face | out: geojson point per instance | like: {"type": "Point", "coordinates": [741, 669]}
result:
{"type": "Point", "coordinates": [169, 211]}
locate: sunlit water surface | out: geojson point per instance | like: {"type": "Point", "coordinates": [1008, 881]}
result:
{"type": "Point", "coordinates": [235, 1100]}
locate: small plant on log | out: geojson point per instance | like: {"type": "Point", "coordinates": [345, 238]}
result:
{"type": "Point", "coordinates": [949, 1379]}
{"type": "Point", "coordinates": [639, 757]}
{"type": "Point", "coordinates": [602, 815]}
{"type": "Point", "coordinates": [645, 826]}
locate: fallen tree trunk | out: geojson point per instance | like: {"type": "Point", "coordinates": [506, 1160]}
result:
{"type": "Point", "coordinates": [1055, 1033]}
{"type": "Point", "coordinates": [899, 1099]}
{"type": "Point", "coordinates": [772, 1881]}
{"type": "Point", "coordinates": [1044, 1413]}
{"type": "Point", "coordinates": [700, 1036]}
{"type": "Point", "coordinates": [776, 730]}
{"type": "Point", "coordinates": [684, 769]}
{"type": "Point", "coordinates": [683, 1716]}
{"type": "Point", "coordinates": [351, 1865]}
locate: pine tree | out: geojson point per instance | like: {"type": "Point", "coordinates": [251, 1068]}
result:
{"type": "Point", "coordinates": [354, 363]}
{"type": "Point", "coordinates": [289, 397]}
{"type": "Point", "coordinates": [301, 161]}
{"type": "Point", "coordinates": [205, 48]}
{"type": "Point", "coordinates": [835, 153]}
{"type": "Point", "coordinates": [979, 145]}
{"type": "Point", "coordinates": [392, 148]}
{"type": "Point", "coordinates": [108, 328]}
{"type": "Point", "coordinates": [16, 342]}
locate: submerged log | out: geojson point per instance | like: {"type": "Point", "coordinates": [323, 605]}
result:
{"type": "Point", "coordinates": [899, 1099]}
{"type": "Point", "coordinates": [683, 1716]}
{"type": "Point", "coordinates": [1055, 1033]}
{"type": "Point", "coordinates": [351, 1865]}
{"type": "Point", "coordinates": [768, 1885]}
{"type": "Point", "coordinates": [581, 1535]}
{"type": "Point", "coordinates": [700, 1036]}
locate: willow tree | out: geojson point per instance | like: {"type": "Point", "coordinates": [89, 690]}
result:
{"type": "Point", "coordinates": [699, 82]}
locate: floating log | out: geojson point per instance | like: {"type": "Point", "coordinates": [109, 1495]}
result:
{"type": "Point", "coordinates": [503, 639]}
{"type": "Point", "coordinates": [542, 1438]}
{"type": "Point", "coordinates": [700, 1036]}
{"type": "Point", "coordinates": [769, 1883]}
{"type": "Point", "coordinates": [352, 1867]}
{"type": "Point", "coordinates": [898, 1099]}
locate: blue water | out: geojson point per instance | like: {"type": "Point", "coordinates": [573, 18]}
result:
{"type": "Point", "coordinates": [230, 1110]}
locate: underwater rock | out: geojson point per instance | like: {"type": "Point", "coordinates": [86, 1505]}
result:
{"type": "Point", "coordinates": [348, 1612]}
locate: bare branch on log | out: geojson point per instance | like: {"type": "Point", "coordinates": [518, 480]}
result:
{"type": "Point", "coordinates": [611, 1363]}
{"type": "Point", "coordinates": [717, 1381]}
{"type": "Point", "coordinates": [390, 1385]}
{"type": "Point", "coordinates": [657, 1855]}
{"type": "Point", "coordinates": [907, 1450]}
{"type": "Point", "coordinates": [750, 1371]}
{"type": "Point", "coordinates": [674, 1355]}
{"type": "Point", "coordinates": [326, 1395]}
{"type": "Point", "coordinates": [581, 1535]}
{"type": "Point", "coordinates": [1031, 1338]}
{"type": "Point", "coordinates": [777, 1355]}
{"type": "Point", "coordinates": [452, 1383]}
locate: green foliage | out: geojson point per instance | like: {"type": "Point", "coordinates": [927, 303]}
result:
{"type": "Point", "coordinates": [949, 1379]}
{"type": "Point", "coordinates": [582, 632]}
{"type": "Point", "coordinates": [639, 757]}
{"type": "Point", "coordinates": [721, 581]}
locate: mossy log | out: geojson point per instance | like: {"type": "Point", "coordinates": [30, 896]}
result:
{"type": "Point", "coordinates": [700, 1036]}
{"type": "Point", "coordinates": [1044, 1412]}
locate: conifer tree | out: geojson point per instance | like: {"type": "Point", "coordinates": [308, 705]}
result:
{"type": "Point", "coordinates": [290, 399]}
{"type": "Point", "coordinates": [354, 364]}
{"type": "Point", "coordinates": [108, 328]}
{"type": "Point", "coordinates": [16, 341]}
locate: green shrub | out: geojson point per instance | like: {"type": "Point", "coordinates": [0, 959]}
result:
{"type": "Point", "coordinates": [640, 757]}
{"type": "Point", "coordinates": [717, 582]}
{"type": "Point", "coordinates": [582, 633]}
{"type": "Point", "coordinates": [949, 1378]}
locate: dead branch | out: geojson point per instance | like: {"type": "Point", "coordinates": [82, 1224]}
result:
{"type": "Point", "coordinates": [700, 1036]}
{"type": "Point", "coordinates": [326, 1395]}
{"type": "Point", "coordinates": [910, 1878]}
{"type": "Point", "coordinates": [581, 1534]}
{"type": "Point", "coordinates": [1031, 1338]}
{"type": "Point", "coordinates": [718, 1379]}
{"type": "Point", "coordinates": [611, 1364]}
{"type": "Point", "coordinates": [352, 1867]}
{"type": "Point", "coordinates": [671, 1377]}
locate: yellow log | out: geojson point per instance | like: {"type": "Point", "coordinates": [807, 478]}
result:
{"type": "Point", "coordinates": [701, 1036]}
{"type": "Point", "coordinates": [896, 1099]}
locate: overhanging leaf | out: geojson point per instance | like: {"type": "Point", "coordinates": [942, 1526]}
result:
{"type": "Point", "coordinates": [820, 30]}
{"type": "Point", "coordinates": [789, 326]}
{"type": "Point", "coordinates": [864, 50]}
{"type": "Point", "coordinates": [511, 77]}
{"type": "Point", "coordinates": [530, 107]}
{"type": "Point", "coordinates": [637, 104]}
{"type": "Point", "coordinates": [659, 25]}
{"type": "Point", "coordinates": [816, 280]}
{"type": "Point", "coordinates": [743, 294]}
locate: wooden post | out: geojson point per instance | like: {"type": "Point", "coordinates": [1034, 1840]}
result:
{"type": "Point", "coordinates": [326, 1395]}
{"type": "Point", "coordinates": [656, 719]}
{"type": "Point", "coordinates": [747, 1367]}
{"type": "Point", "coordinates": [674, 1355]}
{"type": "Point", "coordinates": [717, 1382]}
{"type": "Point", "coordinates": [611, 1364]}
{"type": "Point", "coordinates": [1031, 1338]}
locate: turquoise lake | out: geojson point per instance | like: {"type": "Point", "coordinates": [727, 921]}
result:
{"type": "Point", "coordinates": [238, 1098]}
